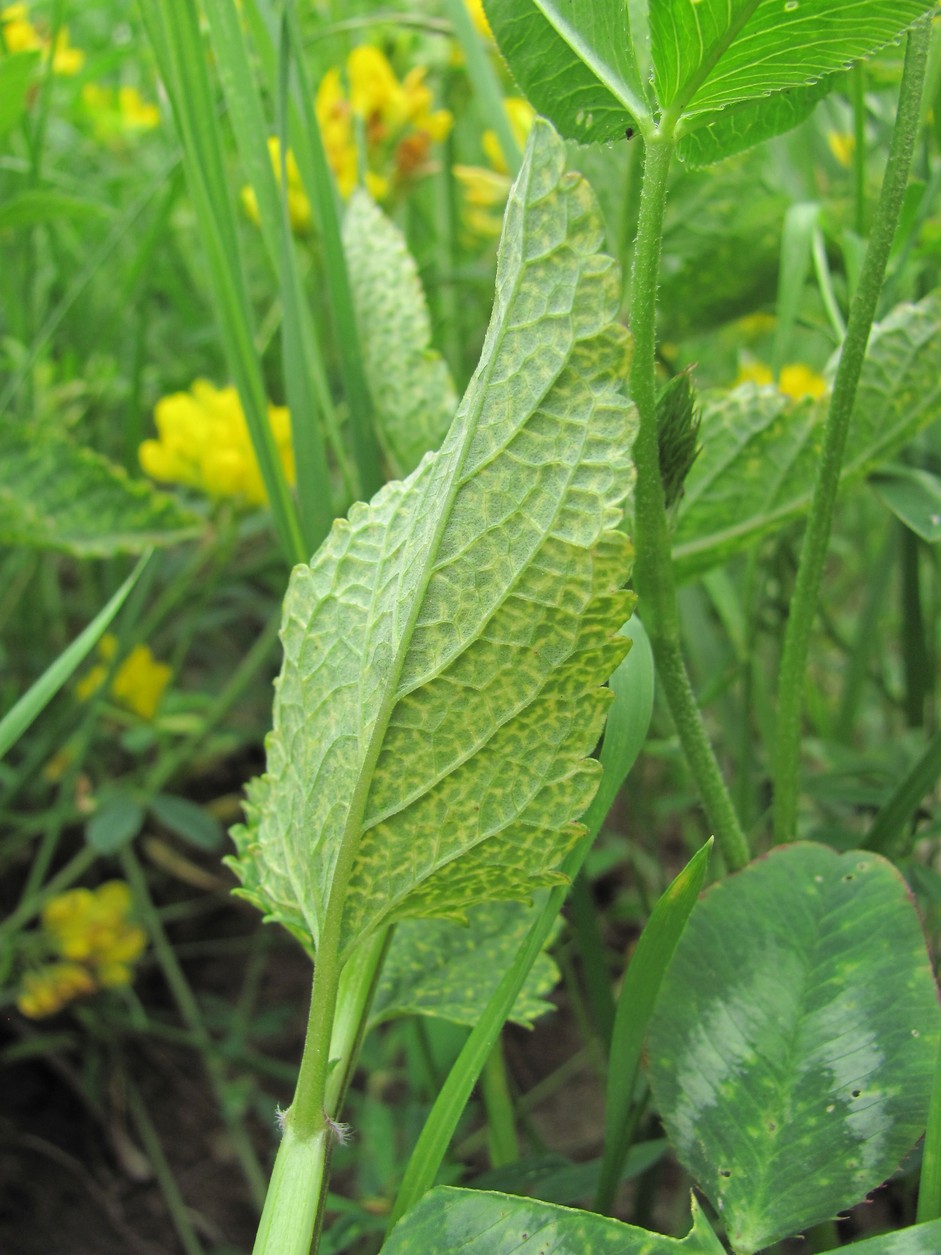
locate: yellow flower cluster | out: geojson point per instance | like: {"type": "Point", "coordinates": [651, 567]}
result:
{"type": "Point", "coordinates": [20, 35]}
{"type": "Point", "coordinates": [96, 942]}
{"type": "Point", "coordinates": [298, 204]}
{"type": "Point", "coordinates": [138, 683]}
{"type": "Point", "coordinates": [203, 441]}
{"type": "Point", "coordinates": [795, 381]}
{"type": "Point", "coordinates": [486, 188]}
{"type": "Point", "coordinates": [398, 122]}
{"type": "Point", "coordinates": [116, 115]}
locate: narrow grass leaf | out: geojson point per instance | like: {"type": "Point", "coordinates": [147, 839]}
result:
{"type": "Point", "coordinates": [639, 991]}
{"type": "Point", "coordinates": [414, 396]}
{"type": "Point", "coordinates": [797, 237]}
{"type": "Point", "coordinates": [16, 71]}
{"type": "Point", "coordinates": [478, 1222]}
{"type": "Point", "coordinates": [306, 388]}
{"type": "Point", "coordinates": [17, 720]}
{"type": "Point", "coordinates": [445, 651]}
{"type": "Point", "coordinates": [173, 28]}
{"type": "Point", "coordinates": [792, 1047]}
{"type": "Point", "coordinates": [58, 495]}
{"type": "Point", "coordinates": [893, 831]}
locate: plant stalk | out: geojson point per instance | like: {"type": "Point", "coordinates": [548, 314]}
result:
{"type": "Point", "coordinates": [653, 569]}
{"type": "Point", "coordinates": [816, 538]}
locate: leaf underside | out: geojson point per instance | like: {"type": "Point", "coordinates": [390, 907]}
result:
{"type": "Point", "coordinates": [413, 397]}
{"type": "Point", "coordinates": [448, 971]}
{"type": "Point", "coordinates": [58, 495]}
{"type": "Point", "coordinates": [446, 648]}
{"type": "Point", "coordinates": [759, 454]}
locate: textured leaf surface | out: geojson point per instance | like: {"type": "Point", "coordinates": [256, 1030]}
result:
{"type": "Point", "coordinates": [477, 1222]}
{"type": "Point", "coordinates": [793, 1047]}
{"type": "Point", "coordinates": [712, 54]}
{"type": "Point", "coordinates": [759, 453]}
{"type": "Point", "coordinates": [446, 648]}
{"type": "Point", "coordinates": [574, 61]}
{"type": "Point", "coordinates": [413, 396]}
{"type": "Point", "coordinates": [448, 971]}
{"type": "Point", "coordinates": [57, 495]}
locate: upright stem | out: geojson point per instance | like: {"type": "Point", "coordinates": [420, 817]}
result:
{"type": "Point", "coordinates": [653, 568]}
{"type": "Point", "coordinates": [816, 538]}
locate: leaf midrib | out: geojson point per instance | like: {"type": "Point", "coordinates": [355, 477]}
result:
{"type": "Point", "coordinates": [353, 830]}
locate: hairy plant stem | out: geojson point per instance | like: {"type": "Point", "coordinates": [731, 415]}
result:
{"type": "Point", "coordinates": [340, 1001]}
{"type": "Point", "coordinates": [816, 538]}
{"type": "Point", "coordinates": [653, 569]}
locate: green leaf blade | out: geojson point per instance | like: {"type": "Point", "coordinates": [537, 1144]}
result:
{"type": "Point", "coordinates": [713, 54]}
{"type": "Point", "coordinates": [794, 1040]}
{"type": "Point", "coordinates": [445, 649]}
{"type": "Point", "coordinates": [478, 1222]}
{"type": "Point", "coordinates": [575, 63]}
{"type": "Point", "coordinates": [410, 384]}
{"type": "Point", "coordinates": [449, 971]}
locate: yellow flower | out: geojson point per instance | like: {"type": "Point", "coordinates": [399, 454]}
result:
{"type": "Point", "coordinates": [795, 381]}
{"type": "Point", "coordinates": [398, 122]}
{"type": "Point", "coordinates": [842, 145]}
{"type": "Point", "coordinates": [138, 683]}
{"type": "Point", "coordinates": [298, 204]}
{"type": "Point", "coordinates": [118, 115]}
{"type": "Point", "coordinates": [47, 989]}
{"type": "Point", "coordinates": [203, 441]}
{"type": "Point", "coordinates": [92, 932]}
{"type": "Point", "coordinates": [486, 189]}
{"type": "Point", "coordinates": [20, 35]}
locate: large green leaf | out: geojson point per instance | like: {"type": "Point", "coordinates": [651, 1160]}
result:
{"type": "Point", "coordinates": [412, 392]}
{"type": "Point", "coordinates": [759, 453]}
{"type": "Point", "coordinates": [574, 61]}
{"type": "Point", "coordinates": [478, 1222]}
{"type": "Point", "coordinates": [448, 971]}
{"type": "Point", "coordinates": [713, 54]}
{"type": "Point", "coordinates": [446, 648]}
{"type": "Point", "coordinates": [793, 1046]}
{"type": "Point", "coordinates": [56, 495]}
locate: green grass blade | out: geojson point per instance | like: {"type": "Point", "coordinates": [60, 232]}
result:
{"type": "Point", "coordinates": [639, 992]}
{"type": "Point", "coordinates": [800, 222]}
{"type": "Point", "coordinates": [305, 383]}
{"type": "Point", "coordinates": [173, 27]}
{"type": "Point", "coordinates": [317, 177]}
{"type": "Point", "coordinates": [487, 92]}
{"type": "Point", "coordinates": [39, 695]}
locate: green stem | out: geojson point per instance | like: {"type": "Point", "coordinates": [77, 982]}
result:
{"type": "Point", "coordinates": [293, 1211]}
{"type": "Point", "coordinates": [653, 569]}
{"type": "Point", "coordinates": [816, 538]}
{"type": "Point", "coordinates": [502, 1142]}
